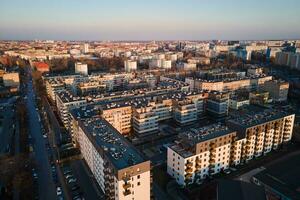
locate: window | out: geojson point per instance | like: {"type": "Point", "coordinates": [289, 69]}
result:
{"type": "Point", "coordinates": [138, 176]}
{"type": "Point", "coordinates": [139, 183]}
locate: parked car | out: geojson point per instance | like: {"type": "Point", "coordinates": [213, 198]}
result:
{"type": "Point", "coordinates": [58, 191]}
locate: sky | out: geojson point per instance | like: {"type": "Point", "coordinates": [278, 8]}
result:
{"type": "Point", "coordinates": [149, 19]}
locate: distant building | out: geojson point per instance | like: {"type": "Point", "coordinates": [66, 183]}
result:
{"type": "Point", "coordinates": [85, 48]}
{"type": "Point", "coordinates": [41, 67]}
{"type": "Point", "coordinates": [187, 66]}
{"type": "Point", "coordinates": [166, 64]}
{"type": "Point", "coordinates": [81, 68]}
{"type": "Point", "coordinates": [11, 79]}
{"type": "Point", "coordinates": [130, 65]}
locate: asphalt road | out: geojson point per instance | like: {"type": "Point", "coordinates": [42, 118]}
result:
{"type": "Point", "coordinates": [45, 183]}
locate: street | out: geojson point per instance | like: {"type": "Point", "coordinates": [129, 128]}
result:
{"type": "Point", "coordinates": [45, 183]}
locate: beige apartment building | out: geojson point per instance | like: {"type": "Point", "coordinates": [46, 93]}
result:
{"type": "Point", "coordinates": [262, 132]}
{"type": "Point", "coordinates": [199, 153]}
{"type": "Point", "coordinates": [119, 116]}
{"type": "Point", "coordinates": [208, 150]}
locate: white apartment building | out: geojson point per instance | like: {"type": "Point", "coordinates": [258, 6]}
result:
{"type": "Point", "coordinates": [166, 64]}
{"type": "Point", "coordinates": [208, 150]}
{"type": "Point", "coordinates": [81, 68]}
{"type": "Point", "coordinates": [120, 170]}
{"type": "Point", "coordinates": [130, 65]}
{"type": "Point", "coordinates": [85, 48]}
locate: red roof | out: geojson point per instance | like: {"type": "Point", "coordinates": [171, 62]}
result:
{"type": "Point", "coordinates": [41, 66]}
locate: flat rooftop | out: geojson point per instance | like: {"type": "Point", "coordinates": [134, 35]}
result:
{"type": "Point", "coordinates": [196, 135]}
{"type": "Point", "coordinates": [283, 176]}
{"type": "Point", "coordinates": [67, 97]}
{"type": "Point", "coordinates": [193, 136]}
{"type": "Point", "coordinates": [117, 149]}
{"type": "Point", "coordinates": [255, 115]}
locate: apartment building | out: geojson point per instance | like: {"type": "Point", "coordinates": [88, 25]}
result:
{"type": "Point", "coordinates": [119, 115]}
{"type": "Point", "coordinates": [145, 120]}
{"type": "Point", "coordinates": [259, 97]}
{"type": "Point", "coordinates": [199, 153]}
{"type": "Point", "coordinates": [130, 65]}
{"type": "Point", "coordinates": [90, 88]}
{"type": "Point", "coordinates": [11, 79]}
{"type": "Point", "coordinates": [65, 101]}
{"type": "Point", "coordinates": [231, 84]}
{"type": "Point", "coordinates": [262, 131]}
{"type": "Point", "coordinates": [81, 68]}
{"type": "Point", "coordinates": [278, 89]}
{"type": "Point", "coordinates": [217, 104]}
{"type": "Point", "coordinates": [119, 169]}
{"type": "Point", "coordinates": [184, 111]}
{"type": "Point", "coordinates": [163, 109]}
{"type": "Point", "coordinates": [53, 86]}
{"type": "Point", "coordinates": [236, 102]}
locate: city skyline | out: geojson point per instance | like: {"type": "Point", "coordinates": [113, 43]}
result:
{"type": "Point", "coordinates": [134, 20]}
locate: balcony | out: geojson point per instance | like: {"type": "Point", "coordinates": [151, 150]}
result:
{"type": "Point", "coordinates": [198, 168]}
{"type": "Point", "coordinates": [126, 178]}
{"type": "Point", "coordinates": [126, 186]}
{"type": "Point", "coordinates": [189, 170]}
{"type": "Point", "coordinates": [213, 152]}
{"type": "Point", "coordinates": [127, 192]}
{"type": "Point", "coordinates": [188, 176]}
{"type": "Point", "coordinates": [189, 164]}
{"type": "Point", "coordinates": [213, 145]}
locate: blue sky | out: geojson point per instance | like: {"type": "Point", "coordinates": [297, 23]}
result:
{"type": "Point", "coordinates": [149, 20]}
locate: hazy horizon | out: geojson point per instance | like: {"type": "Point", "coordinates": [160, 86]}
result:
{"type": "Point", "coordinates": [134, 20]}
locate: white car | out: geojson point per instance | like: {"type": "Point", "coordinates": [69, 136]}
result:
{"type": "Point", "coordinates": [58, 191]}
